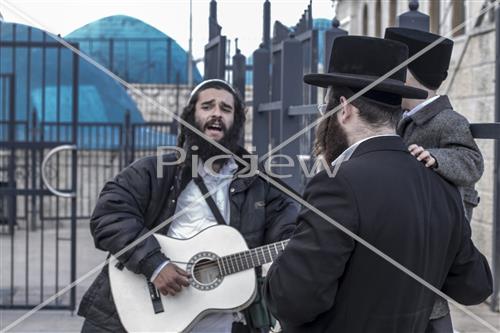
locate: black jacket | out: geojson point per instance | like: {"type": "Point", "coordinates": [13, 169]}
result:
{"type": "Point", "coordinates": [325, 281]}
{"type": "Point", "coordinates": [137, 200]}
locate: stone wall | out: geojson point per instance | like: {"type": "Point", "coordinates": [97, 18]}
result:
{"type": "Point", "coordinates": [473, 95]}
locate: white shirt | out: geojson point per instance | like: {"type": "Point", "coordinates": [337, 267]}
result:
{"type": "Point", "coordinates": [200, 217]}
{"type": "Point", "coordinates": [346, 154]}
{"type": "Point", "coordinates": [420, 106]}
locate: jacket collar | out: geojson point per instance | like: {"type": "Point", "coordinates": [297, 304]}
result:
{"type": "Point", "coordinates": [380, 143]}
{"type": "Point", "coordinates": [431, 110]}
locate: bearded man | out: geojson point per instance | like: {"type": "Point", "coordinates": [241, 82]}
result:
{"type": "Point", "coordinates": [138, 199]}
{"type": "Point", "coordinates": [326, 282]}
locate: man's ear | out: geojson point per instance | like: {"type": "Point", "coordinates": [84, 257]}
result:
{"type": "Point", "coordinates": [347, 111]}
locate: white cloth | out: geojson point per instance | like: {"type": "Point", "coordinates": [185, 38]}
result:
{"type": "Point", "coordinates": [420, 106]}
{"type": "Point", "coordinates": [346, 154]}
{"type": "Point", "coordinates": [200, 217]}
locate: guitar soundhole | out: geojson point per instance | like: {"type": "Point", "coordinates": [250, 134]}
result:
{"type": "Point", "coordinates": [204, 270]}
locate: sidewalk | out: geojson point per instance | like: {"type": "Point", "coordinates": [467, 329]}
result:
{"type": "Point", "coordinates": [463, 323]}
{"type": "Point", "coordinates": [88, 257]}
{"type": "Point", "coordinates": [63, 321]}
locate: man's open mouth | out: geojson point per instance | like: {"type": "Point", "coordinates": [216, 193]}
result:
{"type": "Point", "coordinates": [218, 127]}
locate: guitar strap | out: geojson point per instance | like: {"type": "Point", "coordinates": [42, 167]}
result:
{"type": "Point", "coordinates": [210, 201]}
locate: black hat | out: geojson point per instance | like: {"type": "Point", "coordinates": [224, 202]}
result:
{"type": "Point", "coordinates": [431, 68]}
{"type": "Point", "coordinates": [358, 61]}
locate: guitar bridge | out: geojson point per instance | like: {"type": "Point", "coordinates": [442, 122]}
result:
{"type": "Point", "coordinates": [155, 298]}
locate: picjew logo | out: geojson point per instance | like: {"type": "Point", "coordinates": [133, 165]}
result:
{"type": "Point", "coordinates": [173, 155]}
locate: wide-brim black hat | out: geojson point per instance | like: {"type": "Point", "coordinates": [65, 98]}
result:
{"type": "Point", "coordinates": [358, 61]}
{"type": "Point", "coordinates": [430, 68]}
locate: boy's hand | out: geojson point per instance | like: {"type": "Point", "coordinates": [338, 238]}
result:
{"type": "Point", "coordinates": [423, 155]}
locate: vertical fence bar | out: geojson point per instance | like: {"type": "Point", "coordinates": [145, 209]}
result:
{"type": "Point", "coordinates": [74, 174]}
{"type": "Point", "coordinates": [11, 175]}
{"type": "Point", "coordinates": [261, 78]}
{"type": "Point", "coordinates": [39, 162]}
{"type": "Point", "coordinates": [127, 150]}
{"type": "Point", "coordinates": [291, 94]}
{"type": "Point", "coordinates": [169, 61]}
{"type": "Point", "coordinates": [496, 176]}
{"type": "Point", "coordinates": [111, 54]}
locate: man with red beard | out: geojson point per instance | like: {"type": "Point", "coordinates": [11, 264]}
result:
{"type": "Point", "coordinates": [138, 199]}
{"type": "Point", "coordinates": [325, 281]}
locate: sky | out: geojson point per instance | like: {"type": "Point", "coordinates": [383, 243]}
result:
{"type": "Point", "coordinates": [240, 19]}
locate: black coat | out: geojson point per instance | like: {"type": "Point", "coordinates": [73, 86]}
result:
{"type": "Point", "coordinates": [324, 281]}
{"type": "Point", "coordinates": [137, 200]}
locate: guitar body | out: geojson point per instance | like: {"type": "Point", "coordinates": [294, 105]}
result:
{"type": "Point", "coordinates": [209, 291]}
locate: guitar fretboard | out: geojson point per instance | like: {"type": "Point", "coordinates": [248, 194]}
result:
{"type": "Point", "coordinates": [242, 261]}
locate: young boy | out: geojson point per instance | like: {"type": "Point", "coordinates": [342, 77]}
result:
{"type": "Point", "coordinates": [435, 133]}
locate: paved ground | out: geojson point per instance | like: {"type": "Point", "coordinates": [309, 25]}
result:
{"type": "Point", "coordinates": [465, 324]}
{"type": "Point", "coordinates": [63, 321]}
{"type": "Point", "coordinates": [89, 257]}
{"type": "Point", "coordinates": [47, 320]}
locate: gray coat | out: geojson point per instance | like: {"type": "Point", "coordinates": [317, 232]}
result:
{"type": "Point", "coordinates": [446, 135]}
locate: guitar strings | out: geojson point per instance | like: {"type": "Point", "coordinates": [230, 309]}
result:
{"type": "Point", "coordinates": [251, 256]}
{"type": "Point", "coordinates": [246, 257]}
{"type": "Point", "coordinates": [211, 264]}
{"type": "Point", "coordinates": [228, 265]}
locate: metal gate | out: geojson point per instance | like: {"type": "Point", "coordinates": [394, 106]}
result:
{"type": "Point", "coordinates": [37, 169]}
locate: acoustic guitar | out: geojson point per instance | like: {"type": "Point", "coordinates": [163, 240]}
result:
{"type": "Point", "coordinates": [222, 280]}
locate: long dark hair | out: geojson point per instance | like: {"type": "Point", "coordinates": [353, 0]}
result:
{"type": "Point", "coordinates": [189, 110]}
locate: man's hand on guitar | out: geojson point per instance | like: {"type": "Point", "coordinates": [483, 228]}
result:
{"type": "Point", "coordinates": [171, 279]}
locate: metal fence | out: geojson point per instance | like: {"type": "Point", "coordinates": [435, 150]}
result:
{"type": "Point", "coordinates": [39, 254]}
{"type": "Point", "coordinates": [103, 149]}
{"type": "Point", "coordinates": [52, 165]}
{"type": "Point", "coordinates": [28, 211]}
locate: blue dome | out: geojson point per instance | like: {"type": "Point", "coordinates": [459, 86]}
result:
{"type": "Point", "coordinates": [134, 50]}
{"type": "Point", "coordinates": [39, 89]}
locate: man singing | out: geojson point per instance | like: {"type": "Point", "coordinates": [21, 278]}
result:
{"type": "Point", "coordinates": [137, 200]}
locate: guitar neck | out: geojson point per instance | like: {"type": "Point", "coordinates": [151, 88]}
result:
{"type": "Point", "coordinates": [242, 261]}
